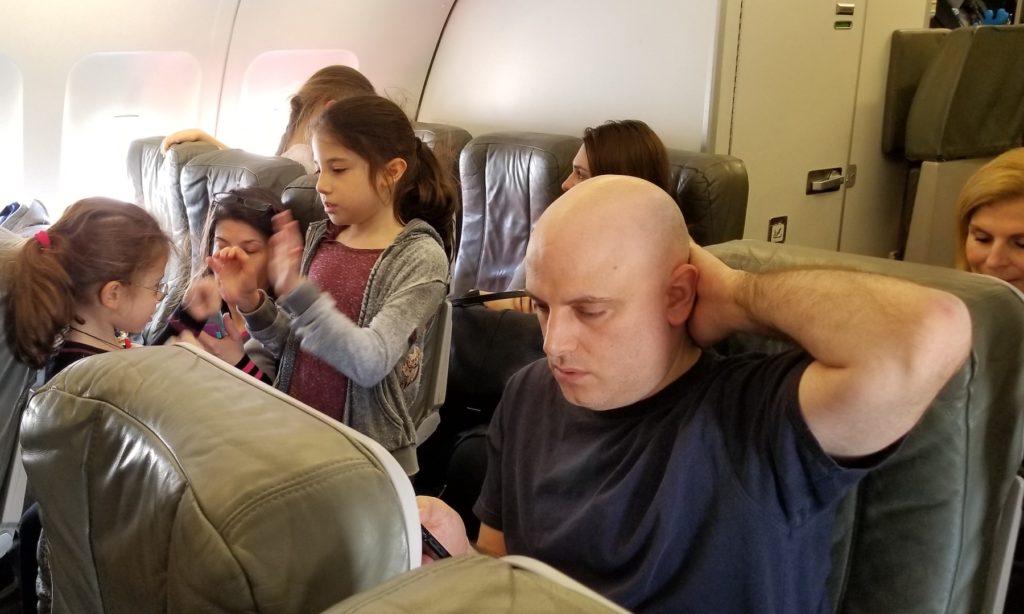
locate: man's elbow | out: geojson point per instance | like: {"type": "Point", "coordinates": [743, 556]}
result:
{"type": "Point", "coordinates": [943, 342]}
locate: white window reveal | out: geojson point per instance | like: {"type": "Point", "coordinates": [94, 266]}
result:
{"type": "Point", "coordinates": [113, 98]}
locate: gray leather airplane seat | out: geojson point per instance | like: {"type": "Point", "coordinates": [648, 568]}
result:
{"type": "Point", "coordinates": [953, 101]}
{"type": "Point", "coordinates": [932, 530]}
{"type": "Point", "coordinates": [508, 180]}
{"type": "Point", "coordinates": [712, 192]}
{"type": "Point", "coordinates": [15, 380]}
{"type": "Point", "coordinates": [157, 179]}
{"type": "Point", "coordinates": [475, 583]}
{"type": "Point", "coordinates": [301, 198]}
{"type": "Point", "coordinates": [171, 482]}
{"type": "Point", "coordinates": [222, 170]}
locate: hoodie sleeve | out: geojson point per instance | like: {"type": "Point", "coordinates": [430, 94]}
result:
{"type": "Point", "coordinates": [268, 324]}
{"type": "Point", "coordinates": [367, 354]}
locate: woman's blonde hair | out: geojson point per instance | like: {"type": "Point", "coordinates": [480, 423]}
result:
{"type": "Point", "coordinates": [1000, 180]}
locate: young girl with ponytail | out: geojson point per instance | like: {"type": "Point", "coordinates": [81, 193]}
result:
{"type": "Point", "coordinates": [354, 302]}
{"type": "Point", "coordinates": [80, 287]}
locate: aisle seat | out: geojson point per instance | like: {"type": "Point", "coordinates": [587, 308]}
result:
{"type": "Point", "coordinates": [933, 528]}
{"type": "Point", "coordinates": [171, 482]}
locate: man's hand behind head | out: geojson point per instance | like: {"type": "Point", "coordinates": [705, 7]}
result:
{"type": "Point", "coordinates": [716, 314]}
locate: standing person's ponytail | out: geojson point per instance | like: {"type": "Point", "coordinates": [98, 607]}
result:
{"type": "Point", "coordinates": [96, 241]}
{"type": "Point", "coordinates": [377, 130]}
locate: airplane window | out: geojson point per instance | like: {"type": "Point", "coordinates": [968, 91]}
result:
{"type": "Point", "coordinates": [113, 98]}
{"type": "Point", "coordinates": [270, 80]}
{"type": "Point", "coordinates": [11, 130]}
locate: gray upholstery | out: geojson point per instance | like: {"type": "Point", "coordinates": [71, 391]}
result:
{"type": "Point", "coordinates": [300, 195]}
{"type": "Point", "coordinates": [172, 482]}
{"type": "Point", "coordinates": [919, 534]}
{"type": "Point", "coordinates": [15, 377]}
{"type": "Point", "coordinates": [224, 170]}
{"type": "Point", "coordinates": [910, 53]}
{"type": "Point", "coordinates": [475, 583]}
{"type": "Point", "coordinates": [712, 192]}
{"type": "Point", "coordinates": [968, 104]}
{"type": "Point", "coordinates": [508, 180]}
{"type": "Point", "coordinates": [157, 179]}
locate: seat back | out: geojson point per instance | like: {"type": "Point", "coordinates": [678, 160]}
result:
{"type": "Point", "coordinates": [15, 380]}
{"type": "Point", "coordinates": [968, 103]}
{"type": "Point", "coordinates": [434, 381]}
{"type": "Point", "coordinates": [508, 180]}
{"type": "Point", "coordinates": [712, 192]}
{"type": "Point", "coordinates": [224, 170]}
{"type": "Point", "coordinates": [926, 532]}
{"type": "Point", "coordinates": [170, 481]}
{"type": "Point", "coordinates": [156, 176]}
{"type": "Point", "coordinates": [470, 584]}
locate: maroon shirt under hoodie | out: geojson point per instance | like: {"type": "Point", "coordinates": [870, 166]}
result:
{"type": "Point", "coordinates": [342, 272]}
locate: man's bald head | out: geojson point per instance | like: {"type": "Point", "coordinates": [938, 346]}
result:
{"type": "Point", "coordinates": [607, 265]}
{"type": "Point", "coordinates": [613, 210]}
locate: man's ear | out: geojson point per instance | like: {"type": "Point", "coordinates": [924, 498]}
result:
{"type": "Point", "coordinates": [112, 294]}
{"type": "Point", "coordinates": [682, 293]}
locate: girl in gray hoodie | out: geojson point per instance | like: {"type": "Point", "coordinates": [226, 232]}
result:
{"type": "Point", "coordinates": [356, 300]}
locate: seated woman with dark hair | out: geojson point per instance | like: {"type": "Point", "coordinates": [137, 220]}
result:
{"type": "Point", "coordinates": [628, 147]}
{"type": "Point", "coordinates": [990, 220]}
{"type": "Point", "coordinates": [239, 219]}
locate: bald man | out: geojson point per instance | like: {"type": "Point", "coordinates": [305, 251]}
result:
{"type": "Point", "coordinates": [666, 477]}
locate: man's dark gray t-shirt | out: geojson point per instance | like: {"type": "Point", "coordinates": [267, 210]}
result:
{"type": "Point", "coordinates": [710, 496]}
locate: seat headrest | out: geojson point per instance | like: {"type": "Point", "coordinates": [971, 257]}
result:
{"type": "Point", "coordinates": [470, 584]}
{"type": "Point", "coordinates": [169, 478]}
{"type": "Point", "coordinates": [711, 190]}
{"type": "Point", "coordinates": [224, 170]}
{"type": "Point", "coordinates": [508, 180]}
{"type": "Point", "coordinates": [968, 104]}
{"type": "Point", "coordinates": [156, 176]}
{"type": "Point", "coordinates": [918, 533]}
{"type": "Point", "coordinates": [910, 53]}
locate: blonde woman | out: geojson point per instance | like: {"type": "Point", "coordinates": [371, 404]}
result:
{"type": "Point", "coordinates": [990, 220]}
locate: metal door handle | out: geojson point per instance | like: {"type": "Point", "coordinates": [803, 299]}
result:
{"type": "Point", "coordinates": [828, 184]}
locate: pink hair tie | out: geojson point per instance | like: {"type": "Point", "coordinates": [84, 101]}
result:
{"type": "Point", "coordinates": [43, 238]}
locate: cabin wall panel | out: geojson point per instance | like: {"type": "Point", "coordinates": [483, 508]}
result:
{"type": "Point", "coordinates": [11, 131]}
{"type": "Point", "coordinates": [45, 40]}
{"type": "Point", "coordinates": [392, 42]}
{"type": "Point", "coordinates": [558, 66]}
{"type": "Point", "coordinates": [871, 210]}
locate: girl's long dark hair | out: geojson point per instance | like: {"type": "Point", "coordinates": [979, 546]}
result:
{"type": "Point", "coordinates": [377, 130]}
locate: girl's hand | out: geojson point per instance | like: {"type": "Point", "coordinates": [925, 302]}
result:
{"type": "Point", "coordinates": [236, 278]}
{"type": "Point", "coordinates": [230, 349]}
{"type": "Point", "coordinates": [286, 254]}
{"type": "Point", "coordinates": [202, 299]}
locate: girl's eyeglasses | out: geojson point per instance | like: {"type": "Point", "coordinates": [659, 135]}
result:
{"type": "Point", "coordinates": [256, 204]}
{"type": "Point", "coordinates": [160, 289]}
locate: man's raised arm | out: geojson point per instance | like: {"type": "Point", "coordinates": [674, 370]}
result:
{"type": "Point", "coordinates": [883, 347]}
